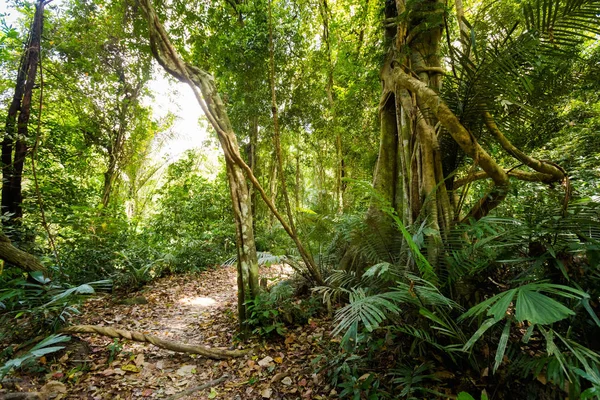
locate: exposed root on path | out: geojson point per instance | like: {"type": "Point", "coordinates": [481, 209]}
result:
{"type": "Point", "coordinates": [208, 352]}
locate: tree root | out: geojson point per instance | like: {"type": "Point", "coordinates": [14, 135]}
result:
{"type": "Point", "coordinates": [194, 389]}
{"type": "Point", "coordinates": [208, 352]}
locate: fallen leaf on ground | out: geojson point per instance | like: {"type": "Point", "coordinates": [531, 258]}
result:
{"type": "Point", "coordinates": [130, 368]}
{"type": "Point", "coordinates": [265, 361]}
{"type": "Point", "coordinates": [186, 370]}
{"type": "Point", "coordinates": [266, 393]}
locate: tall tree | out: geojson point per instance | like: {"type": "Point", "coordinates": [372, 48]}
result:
{"type": "Point", "coordinates": [16, 135]}
{"type": "Point", "coordinates": [426, 133]}
{"type": "Point", "coordinates": [98, 46]}
{"type": "Point", "coordinates": [206, 93]}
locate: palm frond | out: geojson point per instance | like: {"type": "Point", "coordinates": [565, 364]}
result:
{"type": "Point", "coordinates": [563, 22]}
{"type": "Point", "coordinates": [367, 310]}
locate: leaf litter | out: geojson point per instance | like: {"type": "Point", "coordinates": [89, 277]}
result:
{"type": "Point", "coordinates": [198, 309]}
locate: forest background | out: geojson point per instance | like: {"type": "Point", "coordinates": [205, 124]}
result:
{"type": "Point", "coordinates": [436, 158]}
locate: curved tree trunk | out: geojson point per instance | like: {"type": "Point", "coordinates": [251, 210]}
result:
{"type": "Point", "coordinates": [210, 101]}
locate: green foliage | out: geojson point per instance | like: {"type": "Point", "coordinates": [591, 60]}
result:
{"type": "Point", "coordinates": [360, 387]}
{"type": "Point", "coordinates": [33, 304]}
{"type": "Point", "coordinates": [528, 275]}
{"type": "Point", "coordinates": [467, 396]}
{"type": "Point", "coordinates": [411, 379]}
{"type": "Point", "coordinates": [138, 271]}
{"type": "Point", "coordinates": [193, 226]}
{"type": "Point", "coordinates": [113, 350]}
{"type": "Point", "coordinates": [370, 311]}
{"type": "Point", "coordinates": [273, 311]}
{"type": "Point", "coordinates": [550, 275]}
{"type": "Point", "coordinates": [346, 372]}
{"type": "Point", "coordinates": [47, 346]}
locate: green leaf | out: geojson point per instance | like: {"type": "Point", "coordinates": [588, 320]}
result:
{"type": "Point", "coordinates": [479, 308]}
{"type": "Point", "coordinates": [588, 308]}
{"type": "Point", "coordinates": [553, 350]}
{"type": "Point", "coordinates": [39, 276]}
{"type": "Point", "coordinates": [528, 334]}
{"type": "Point", "coordinates": [377, 270]}
{"type": "Point", "coordinates": [498, 310]}
{"type": "Point", "coordinates": [502, 346]}
{"type": "Point", "coordinates": [487, 324]}
{"type": "Point", "coordinates": [465, 396]}
{"type": "Point", "coordinates": [539, 309]}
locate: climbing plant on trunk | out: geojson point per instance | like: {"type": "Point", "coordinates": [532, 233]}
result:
{"type": "Point", "coordinates": [422, 135]}
{"type": "Point", "coordinates": [205, 91]}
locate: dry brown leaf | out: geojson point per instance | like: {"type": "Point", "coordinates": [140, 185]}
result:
{"type": "Point", "coordinates": [266, 393]}
{"type": "Point", "coordinates": [265, 361]}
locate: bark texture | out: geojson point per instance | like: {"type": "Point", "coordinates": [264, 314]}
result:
{"type": "Point", "coordinates": [16, 135]}
{"type": "Point", "coordinates": [421, 137]}
{"type": "Point", "coordinates": [204, 87]}
{"type": "Point", "coordinates": [21, 259]}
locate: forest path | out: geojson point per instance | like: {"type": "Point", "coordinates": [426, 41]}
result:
{"type": "Point", "coordinates": [195, 309]}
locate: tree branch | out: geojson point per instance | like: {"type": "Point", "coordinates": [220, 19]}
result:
{"type": "Point", "coordinates": [21, 259]}
{"type": "Point", "coordinates": [553, 173]}
{"type": "Point", "coordinates": [465, 140]}
{"type": "Point", "coordinates": [205, 91]}
{"type": "Point", "coordinates": [195, 389]}
{"type": "Point", "coordinates": [518, 174]}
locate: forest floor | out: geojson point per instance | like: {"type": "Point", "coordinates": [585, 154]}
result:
{"type": "Point", "coordinates": [196, 309]}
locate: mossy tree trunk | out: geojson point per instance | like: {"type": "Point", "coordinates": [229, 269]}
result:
{"type": "Point", "coordinates": [420, 136]}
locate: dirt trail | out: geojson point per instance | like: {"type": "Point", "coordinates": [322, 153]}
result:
{"type": "Point", "coordinates": [191, 309]}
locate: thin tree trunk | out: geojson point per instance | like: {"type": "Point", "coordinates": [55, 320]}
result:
{"type": "Point", "coordinates": [298, 187]}
{"type": "Point", "coordinates": [339, 165]}
{"type": "Point", "coordinates": [12, 197]}
{"type": "Point", "coordinates": [273, 187]}
{"type": "Point", "coordinates": [253, 162]}
{"type": "Point", "coordinates": [276, 132]}
{"type": "Point", "coordinates": [109, 179]}
{"type": "Point", "coordinates": [210, 101]}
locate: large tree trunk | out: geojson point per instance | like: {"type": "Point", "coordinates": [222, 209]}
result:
{"type": "Point", "coordinates": [19, 112]}
{"type": "Point", "coordinates": [410, 174]}
{"type": "Point", "coordinates": [421, 136]}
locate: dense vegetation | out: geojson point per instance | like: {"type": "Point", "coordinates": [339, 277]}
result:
{"type": "Point", "coordinates": [431, 170]}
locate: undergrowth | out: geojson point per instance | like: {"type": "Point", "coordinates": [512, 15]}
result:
{"type": "Point", "coordinates": [510, 303]}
